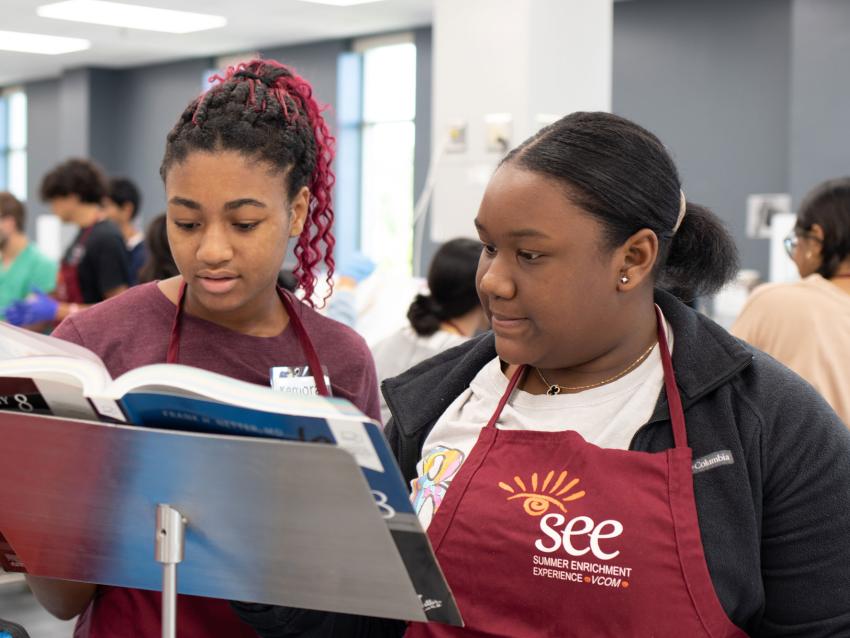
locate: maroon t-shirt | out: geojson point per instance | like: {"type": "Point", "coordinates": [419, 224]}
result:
{"type": "Point", "coordinates": [132, 330]}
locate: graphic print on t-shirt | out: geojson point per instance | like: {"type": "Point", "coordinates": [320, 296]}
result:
{"type": "Point", "coordinates": [438, 469]}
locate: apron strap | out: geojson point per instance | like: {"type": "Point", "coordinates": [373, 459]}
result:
{"type": "Point", "coordinates": [300, 333]}
{"type": "Point", "coordinates": [507, 395]}
{"type": "Point", "coordinates": [174, 339]}
{"type": "Point", "coordinates": [306, 343]}
{"type": "Point", "coordinates": [674, 400]}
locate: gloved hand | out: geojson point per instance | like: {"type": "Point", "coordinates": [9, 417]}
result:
{"type": "Point", "coordinates": [357, 267]}
{"type": "Point", "coordinates": [37, 307]}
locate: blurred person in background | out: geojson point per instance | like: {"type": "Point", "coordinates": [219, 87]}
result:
{"type": "Point", "coordinates": [159, 263]}
{"type": "Point", "coordinates": [449, 314]}
{"type": "Point", "coordinates": [806, 324]}
{"type": "Point", "coordinates": [121, 206]}
{"type": "Point", "coordinates": [24, 268]}
{"type": "Point", "coordinates": [95, 266]}
{"type": "Point", "coordinates": [372, 298]}
{"type": "Point", "coordinates": [343, 304]}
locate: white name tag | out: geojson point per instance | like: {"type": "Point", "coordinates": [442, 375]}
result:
{"type": "Point", "coordinates": [296, 380]}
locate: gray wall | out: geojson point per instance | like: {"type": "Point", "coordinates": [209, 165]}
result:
{"type": "Point", "coordinates": [820, 99]}
{"type": "Point", "coordinates": [43, 126]}
{"type": "Point", "coordinates": [712, 80]}
{"type": "Point", "coordinates": [118, 118]}
{"type": "Point", "coordinates": [151, 99]}
{"type": "Point", "coordinates": [106, 117]}
{"type": "Point", "coordinates": [422, 151]}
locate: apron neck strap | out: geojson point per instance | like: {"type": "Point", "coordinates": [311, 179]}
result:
{"type": "Point", "coordinates": [512, 384]}
{"type": "Point", "coordinates": [305, 341]}
{"type": "Point", "coordinates": [174, 339]}
{"type": "Point", "coordinates": [294, 320]}
{"type": "Point", "coordinates": [674, 401]}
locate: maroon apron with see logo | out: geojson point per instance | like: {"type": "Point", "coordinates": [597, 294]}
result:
{"type": "Point", "coordinates": [117, 612]}
{"type": "Point", "coordinates": [544, 534]}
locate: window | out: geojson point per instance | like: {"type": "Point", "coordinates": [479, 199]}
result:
{"type": "Point", "coordinates": [377, 111]}
{"type": "Point", "coordinates": [13, 142]}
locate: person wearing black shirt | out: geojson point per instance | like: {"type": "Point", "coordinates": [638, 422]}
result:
{"type": "Point", "coordinates": [96, 265]}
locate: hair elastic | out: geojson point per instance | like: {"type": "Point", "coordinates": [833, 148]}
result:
{"type": "Point", "coordinates": [683, 205]}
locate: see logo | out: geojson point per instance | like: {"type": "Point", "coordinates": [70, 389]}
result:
{"type": "Point", "coordinates": [576, 537]}
{"type": "Point", "coordinates": [543, 495]}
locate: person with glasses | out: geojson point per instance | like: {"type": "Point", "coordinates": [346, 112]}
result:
{"type": "Point", "coordinates": [806, 324]}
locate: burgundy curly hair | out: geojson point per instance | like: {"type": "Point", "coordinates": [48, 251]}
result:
{"type": "Point", "coordinates": [265, 110]}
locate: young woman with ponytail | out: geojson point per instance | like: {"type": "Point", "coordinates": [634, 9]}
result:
{"type": "Point", "coordinates": [247, 167]}
{"type": "Point", "coordinates": [609, 462]}
{"type": "Point", "coordinates": [448, 315]}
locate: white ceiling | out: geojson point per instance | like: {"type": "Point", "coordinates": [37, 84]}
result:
{"type": "Point", "coordinates": [252, 24]}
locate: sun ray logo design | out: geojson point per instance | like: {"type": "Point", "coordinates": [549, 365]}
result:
{"type": "Point", "coordinates": [541, 496]}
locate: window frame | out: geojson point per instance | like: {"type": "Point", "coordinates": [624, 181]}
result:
{"type": "Point", "coordinates": [355, 125]}
{"type": "Point", "coordinates": [7, 148]}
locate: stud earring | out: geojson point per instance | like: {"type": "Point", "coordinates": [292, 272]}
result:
{"type": "Point", "coordinates": [624, 279]}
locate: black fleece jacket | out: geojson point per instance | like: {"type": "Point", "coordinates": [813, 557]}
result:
{"type": "Point", "coordinates": [775, 522]}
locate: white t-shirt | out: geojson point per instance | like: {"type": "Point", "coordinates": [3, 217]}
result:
{"type": "Point", "coordinates": [607, 416]}
{"type": "Point", "coordinates": [404, 349]}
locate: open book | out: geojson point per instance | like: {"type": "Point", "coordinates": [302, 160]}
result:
{"type": "Point", "coordinates": [41, 375]}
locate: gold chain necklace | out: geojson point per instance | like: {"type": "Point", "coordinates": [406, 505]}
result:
{"type": "Point", "coordinates": [554, 388]}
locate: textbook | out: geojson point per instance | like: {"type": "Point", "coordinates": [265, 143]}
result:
{"type": "Point", "coordinates": [41, 375]}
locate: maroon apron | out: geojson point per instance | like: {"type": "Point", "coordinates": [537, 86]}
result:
{"type": "Point", "coordinates": [544, 534]}
{"type": "Point", "coordinates": [68, 288]}
{"type": "Point", "coordinates": [118, 611]}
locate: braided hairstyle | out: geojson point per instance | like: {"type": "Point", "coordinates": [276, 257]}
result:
{"type": "Point", "coordinates": [264, 110]}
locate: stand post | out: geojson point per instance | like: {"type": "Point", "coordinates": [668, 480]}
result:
{"type": "Point", "coordinates": [170, 535]}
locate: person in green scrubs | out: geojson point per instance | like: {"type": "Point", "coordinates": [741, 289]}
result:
{"type": "Point", "coordinates": [23, 268]}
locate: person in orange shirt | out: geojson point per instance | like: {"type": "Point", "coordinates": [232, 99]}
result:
{"type": "Point", "coordinates": [806, 324]}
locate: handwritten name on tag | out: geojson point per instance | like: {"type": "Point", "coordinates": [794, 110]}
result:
{"type": "Point", "coordinates": [295, 380]}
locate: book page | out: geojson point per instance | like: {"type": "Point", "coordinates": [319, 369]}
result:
{"type": "Point", "coordinates": [16, 342]}
{"type": "Point", "coordinates": [51, 385]}
{"type": "Point", "coordinates": [186, 381]}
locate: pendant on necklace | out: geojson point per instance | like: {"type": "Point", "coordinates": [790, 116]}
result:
{"type": "Point", "coordinates": [553, 390]}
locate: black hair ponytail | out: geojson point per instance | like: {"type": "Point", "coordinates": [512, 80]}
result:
{"type": "Point", "coordinates": [425, 315]}
{"type": "Point", "coordinates": [451, 281]}
{"type": "Point", "coordinates": [622, 175]}
{"type": "Point", "coordinates": [701, 258]}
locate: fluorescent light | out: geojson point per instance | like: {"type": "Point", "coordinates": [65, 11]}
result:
{"type": "Point", "coordinates": [37, 43]}
{"type": "Point", "coordinates": [131, 16]}
{"type": "Point", "coordinates": [341, 3]}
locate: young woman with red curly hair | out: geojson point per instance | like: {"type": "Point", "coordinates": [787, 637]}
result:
{"type": "Point", "coordinates": [246, 168]}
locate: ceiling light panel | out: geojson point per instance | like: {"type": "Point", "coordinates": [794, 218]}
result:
{"type": "Point", "coordinates": [131, 16]}
{"type": "Point", "coordinates": [41, 44]}
{"type": "Point", "coordinates": [341, 3]}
